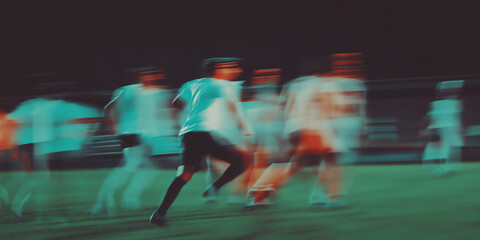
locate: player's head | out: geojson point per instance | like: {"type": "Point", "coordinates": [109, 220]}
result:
{"type": "Point", "coordinates": [269, 76]}
{"type": "Point", "coordinates": [347, 65]}
{"type": "Point", "coordinates": [150, 76]}
{"type": "Point", "coordinates": [449, 89]}
{"type": "Point", "coordinates": [227, 68]}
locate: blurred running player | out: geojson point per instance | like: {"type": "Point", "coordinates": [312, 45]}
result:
{"type": "Point", "coordinates": [265, 114]}
{"type": "Point", "coordinates": [222, 121]}
{"type": "Point", "coordinates": [140, 114]}
{"type": "Point", "coordinates": [198, 139]}
{"type": "Point", "coordinates": [311, 108]}
{"type": "Point", "coordinates": [445, 128]}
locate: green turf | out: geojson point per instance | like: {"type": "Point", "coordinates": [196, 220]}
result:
{"type": "Point", "coordinates": [388, 202]}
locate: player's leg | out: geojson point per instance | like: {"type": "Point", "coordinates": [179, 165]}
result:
{"type": "Point", "coordinates": [276, 175]}
{"type": "Point", "coordinates": [105, 202]}
{"type": "Point", "coordinates": [141, 180]}
{"type": "Point", "coordinates": [215, 169]}
{"type": "Point", "coordinates": [319, 193]}
{"type": "Point", "coordinates": [453, 139]}
{"type": "Point", "coordinates": [431, 155]}
{"type": "Point", "coordinates": [237, 158]}
{"type": "Point", "coordinates": [33, 183]}
{"type": "Point", "coordinates": [194, 151]}
{"type": "Point", "coordinates": [332, 178]}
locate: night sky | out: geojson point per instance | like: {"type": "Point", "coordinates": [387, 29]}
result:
{"type": "Point", "coordinates": [92, 43]}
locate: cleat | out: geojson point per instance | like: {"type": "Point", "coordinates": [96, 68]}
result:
{"type": "Point", "coordinates": [17, 208]}
{"type": "Point", "coordinates": [97, 209]}
{"type": "Point", "coordinates": [336, 204]}
{"type": "Point", "coordinates": [318, 203]}
{"type": "Point", "coordinates": [252, 206]}
{"type": "Point", "coordinates": [158, 219]}
{"type": "Point", "coordinates": [211, 193]}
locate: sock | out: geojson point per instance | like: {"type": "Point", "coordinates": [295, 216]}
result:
{"type": "Point", "coordinates": [231, 173]}
{"type": "Point", "coordinates": [171, 195]}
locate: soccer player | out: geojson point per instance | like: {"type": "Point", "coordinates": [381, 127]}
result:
{"type": "Point", "coordinates": [222, 121]}
{"type": "Point", "coordinates": [445, 125]}
{"type": "Point", "coordinates": [311, 106]}
{"type": "Point", "coordinates": [32, 136]}
{"type": "Point", "coordinates": [265, 114]}
{"type": "Point", "coordinates": [140, 114]}
{"type": "Point", "coordinates": [198, 140]}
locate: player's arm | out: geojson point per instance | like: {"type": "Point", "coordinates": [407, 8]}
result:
{"type": "Point", "coordinates": [178, 107]}
{"type": "Point", "coordinates": [109, 111]}
{"type": "Point", "coordinates": [179, 104]}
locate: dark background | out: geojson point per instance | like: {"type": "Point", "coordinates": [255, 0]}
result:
{"type": "Point", "coordinates": [91, 43]}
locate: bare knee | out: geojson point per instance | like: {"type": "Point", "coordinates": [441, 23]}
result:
{"type": "Point", "coordinates": [185, 172]}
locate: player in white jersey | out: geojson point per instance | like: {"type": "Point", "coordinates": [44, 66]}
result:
{"type": "Point", "coordinates": [265, 114]}
{"type": "Point", "coordinates": [445, 128]}
{"type": "Point", "coordinates": [198, 139]}
{"type": "Point", "coordinates": [222, 121]}
{"type": "Point", "coordinates": [312, 105]}
{"type": "Point", "coordinates": [35, 126]}
{"type": "Point", "coordinates": [141, 115]}
{"type": "Point", "coordinates": [48, 123]}
{"type": "Point", "coordinates": [23, 116]}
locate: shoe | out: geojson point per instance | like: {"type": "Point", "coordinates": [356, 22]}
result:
{"type": "Point", "coordinates": [211, 193]}
{"type": "Point", "coordinates": [97, 209]}
{"type": "Point", "coordinates": [318, 203]}
{"type": "Point", "coordinates": [18, 207]}
{"type": "Point", "coordinates": [441, 171]}
{"type": "Point", "coordinates": [336, 203]}
{"type": "Point", "coordinates": [253, 206]}
{"type": "Point", "coordinates": [158, 219]}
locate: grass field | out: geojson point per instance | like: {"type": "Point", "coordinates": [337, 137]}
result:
{"type": "Point", "coordinates": [388, 202]}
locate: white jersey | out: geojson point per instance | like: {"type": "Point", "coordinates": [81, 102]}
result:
{"type": "Point", "coordinates": [328, 106]}
{"type": "Point", "coordinates": [144, 111]}
{"type": "Point", "coordinates": [296, 96]}
{"type": "Point", "coordinates": [71, 136]}
{"type": "Point", "coordinates": [23, 115]}
{"type": "Point", "coordinates": [445, 116]}
{"type": "Point", "coordinates": [206, 107]}
{"type": "Point", "coordinates": [220, 119]}
{"type": "Point", "coordinates": [267, 123]}
{"type": "Point", "coordinates": [53, 129]}
{"type": "Point", "coordinates": [445, 113]}
{"type": "Point", "coordinates": [125, 109]}
{"type": "Point", "coordinates": [154, 113]}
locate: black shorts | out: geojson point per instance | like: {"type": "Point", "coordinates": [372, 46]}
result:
{"type": "Point", "coordinates": [129, 140]}
{"type": "Point", "coordinates": [197, 145]}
